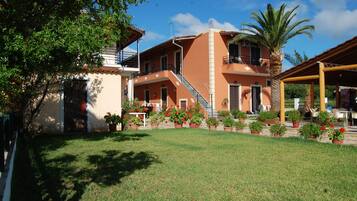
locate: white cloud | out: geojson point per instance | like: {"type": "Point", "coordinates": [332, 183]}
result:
{"type": "Point", "coordinates": [149, 36]}
{"type": "Point", "coordinates": [301, 10]}
{"type": "Point", "coordinates": [186, 24]}
{"type": "Point", "coordinates": [334, 19]}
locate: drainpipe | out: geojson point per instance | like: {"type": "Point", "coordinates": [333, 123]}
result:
{"type": "Point", "coordinates": [181, 54]}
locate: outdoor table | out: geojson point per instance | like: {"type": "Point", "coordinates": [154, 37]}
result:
{"type": "Point", "coordinates": [346, 116]}
{"type": "Point", "coordinates": [137, 115]}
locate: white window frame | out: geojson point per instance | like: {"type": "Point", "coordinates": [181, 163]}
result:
{"type": "Point", "coordinates": [183, 99]}
{"type": "Point", "coordinates": [167, 97]}
{"type": "Point", "coordinates": [167, 62]}
{"type": "Point", "coordinates": [239, 95]}
{"type": "Point", "coordinates": [250, 95]}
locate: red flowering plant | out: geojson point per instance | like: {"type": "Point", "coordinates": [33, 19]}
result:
{"type": "Point", "coordinates": [337, 134]}
{"type": "Point", "coordinates": [178, 116]}
{"type": "Point", "coordinates": [167, 112]}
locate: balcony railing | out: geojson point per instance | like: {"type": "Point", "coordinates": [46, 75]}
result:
{"type": "Point", "coordinates": [124, 58]}
{"type": "Point", "coordinates": [257, 61]}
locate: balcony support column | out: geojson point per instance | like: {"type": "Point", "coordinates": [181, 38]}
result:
{"type": "Point", "coordinates": [131, 88]}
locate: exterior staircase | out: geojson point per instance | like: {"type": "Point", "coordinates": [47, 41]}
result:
{"type": "Point", "coordinates": [203, 102]}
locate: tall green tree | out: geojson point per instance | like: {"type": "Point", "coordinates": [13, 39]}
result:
{"type": "Point", "coordinates": [296, 58]}
{"type": "Point", "coordinates": [273, 28]}
{"type": "Point", "coordinates": [42, 41]}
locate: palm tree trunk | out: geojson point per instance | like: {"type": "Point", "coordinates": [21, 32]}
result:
{"type": "Point", "coordinates": [275, 69]}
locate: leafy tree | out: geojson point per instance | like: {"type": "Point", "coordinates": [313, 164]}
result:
{"type": "Point", "coordinates": [273, 28]}
{"type": "Point", "coordinates": [296, 58]}
{"type": "Point", "coordinates": [43, 41]}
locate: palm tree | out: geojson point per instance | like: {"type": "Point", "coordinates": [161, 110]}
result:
{"type": "Point", "coordinates": [296, 58]}
{"type": "Point", "coordinates": [273, 28]}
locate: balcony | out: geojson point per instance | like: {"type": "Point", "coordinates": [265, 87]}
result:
{"type": "Point", "coordinates": [245, 65]}
{"type": "Point", "coordinates": [114, 58]}
{"type": "Point", "coordinates": [156, 77]}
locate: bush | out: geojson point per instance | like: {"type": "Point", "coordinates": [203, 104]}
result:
{"type": "Point", "coordinates": [135, 121]}
{"type": "Point", "coordinates": [239, 125]}
{"type": "Point", "coordinates": [326, 118]}
{"type": "Point", "coordinates": [256, 126]}
{"type": "Point", "coordinates": [195, 110]}
{"type": "Point", "coordinates": [156, 118]}
{"type": "Point", "coordinates": [294, 116]}
{"type": "Point", "coordinates": [212, 122]}
{"type": "Point", "coordinates": [337, 134]}
{"type": "Point", "coordinates": [310, 130]}
{"type": "Point", "coordinates": [112, 119]}
{"type": "Point", "coordinates": [178, 116]}
{"type": "Point", "coordinates": [223, 114]}
{"type": "Point", "coordinates": [263, 116]}
{"type": "Point", "coordinates": [228, 122]}
{"type": "Point", "coordinates": [238, 114]}
{"type": "Point", "coordinates": [196, 119]}
{"type": "Point", "coordinates": [278, 129]}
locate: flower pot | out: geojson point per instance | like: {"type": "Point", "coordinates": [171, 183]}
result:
{"type": "Point", "coordinates": [212, 128]}
{"type": "Point", "coordinates": [296, 124]}
{"type": "Point", "coordinates": [228, 129]}
{"type": "Point", "coordinates": [254, 132]}
{"type": "Point", "coordinates": [133, 127]}
{"type": "Point", "coordinates": [239, 130]}
{"type": "Point", "coordinates": [336, 141]}
{"type": "Point", "coordinates": [276, 135]}
{"type": "Point", "coordinates": [193, 125]}
{"type": "Point", "coordinates": [178, 125]}
{"type": "Point", "coordinates": [112, 127]}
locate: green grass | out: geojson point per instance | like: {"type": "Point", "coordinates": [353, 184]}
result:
{"type": "Point", "coordinates": [187, 164]}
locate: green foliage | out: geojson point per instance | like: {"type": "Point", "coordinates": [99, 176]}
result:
{"type": "Point", "coordinates": [263, 116]}
{"type": "Point", "coordinates": [237, 114]}
{"type": "Point", "coordinates": [178, 116]}
{"type": "Point", "coordinates": [295, 91]}
{"type": "Point", "coordinates": [157, 118]}
{"type": "Point", "coordinates": [196, 110]}
{"type": "Point", "coordinates": [239, 125]}
{"type": "Point", "coordinates": [310, 130]}
{"type": "Point", "coordinates": [223, 114]}
{"type": "Point", "coordinates": [294, 116]}
{"type": "Point", "coordinates": [278, 129]}
{"type": "Point", "coordinates": [228, 122]}
{"type": "Point", "coordinates": [336, 134]}
{"type": "Point", "coordinates": [112, 118]}
{"type": "Point", "coordinates": [196, 119]}
{"type": "Point", "coordinates": [135, 120]}
{"type": "Point", "coordinates": [132, 106]}
{"type": "Point", "coordinates": [296, 58]}
{"type": "Point", "coordinates": [256, 126]}
{"type": "Point", "coordinates": [211, 121]}
{"type": "Point", "coordinates": [326, 118]}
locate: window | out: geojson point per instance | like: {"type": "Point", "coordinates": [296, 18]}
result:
{"type": "Point", "coordinates": [163, 62]}
{"type": "Point", "coordinates": [233, 53]}
{"type": "Point", "coordinates": [147, 68]}
{"type": "Point", "coordinates": [178, 62]}
{"type": "Point", "coordinates": [147, 96]}
{"type": "Point", "coordinates": [268, 83]}
{"type": "Point", "coordinates": [254, 54]}
{"type": "Point", "coordinates": [183, 104]}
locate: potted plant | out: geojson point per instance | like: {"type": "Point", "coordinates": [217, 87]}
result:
{"type": "Point", "coordinates": [112, 120]}
{"type": "Point", "coordinates": [212, 123]}
{"type": "Point", "coordinates": [195, 121]}
{"type": "Point", "coordinates": [310, 131]}
{"type": "Point", "coordinates": [156, 119]}
{"type": "Point", "coordinates": [268, 118]}
{"type": "Point", "coordinates": [239, 126]}
{"type": "Point", "coordinates": [295, 117]}
{"type": "Point", "coordinates": [134, 123]}
{"type": "Point", "coordinates": [228, 123]}
{"type": "Point", "coordinates": [256, 127]}
{"type": "Point", "coordinates": [223, 114]}
{"type": "Point", "coordinates": [325, 119]}
{"type": "Point", "coordinates": [239, 115]}
{"type": "Point", "coordinates": [278, 130]}
{"type": "Point", "coordinates": [178, 117]}
{"type": "Point", "coordinates": [337, 135]}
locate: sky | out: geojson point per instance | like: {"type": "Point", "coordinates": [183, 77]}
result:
{"type": "Point", "coordinates": [335, 21]}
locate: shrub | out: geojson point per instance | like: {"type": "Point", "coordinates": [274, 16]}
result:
{"type": "Point", "coordinates": [196, 119]}
{"type": "Point", "coordinates": [132, 106]}
{"type": "Point", "coordinates": [212, 122]}
{"type": "Point", "coordinates": [263, 116]}
{"type": "Point", "coordinates": [294, 116]}
{"type": "Point", "coordinates": [178, 116]}
{"type": "Point", "coordinates": [223, 114]}
{"type": "Point", "coordinates": [238, 114]}
{"type": "Point", "coordinates": [336, 134]}
{"type": "Point", "coordinates": [239, 125]}
{"type": "Point", "coordinates": [156, 118]}
{"type": "Point", "coordinates": [310, 130]}
{"type": "Point", "coordinates": [278, 129]}
{"type": "Point", "coordinates": [256, 126]}
{"type": "Point", "coordinates": [112, 119]}
{"type": "Point", "coordinates": [195, 110]}
{"type": "Point", "coordinates": [326, 118]}
{"type": "Point", "coordinates": [135, 121]}
{"type": "Point", "coordinates": [228, 122]}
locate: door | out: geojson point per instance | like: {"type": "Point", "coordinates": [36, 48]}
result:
{"type": "Point", "coordinates": [233, 97]}
{"type": "Point", "coordinates": [256, 101]}
{"type": "Point", "coordinates": [164, 98]}
{"type": "Point", "coordinates": [75, 106]}
{"type": "Point", "coordinates": [178, 62]}
{"type": "Point", "coordinates": [147, 96]}
{"type": "Point", "coordinates": [233, 53]}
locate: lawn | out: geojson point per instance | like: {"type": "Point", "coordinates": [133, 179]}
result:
{"type": "Point", "coordinates": [188, 164]}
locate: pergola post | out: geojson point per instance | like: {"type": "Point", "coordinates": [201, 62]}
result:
{"type": "Point", "coordinates": [337, 96]}
{"type": "Point", "coordinates": [322, 86]}
{"type": "Point", "coordinates": [282, 102]}
{"type": "Point", "coordinates": [312, 95]}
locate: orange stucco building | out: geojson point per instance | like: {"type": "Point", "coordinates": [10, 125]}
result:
{"type": "Point", "coordinates": [213, 70]}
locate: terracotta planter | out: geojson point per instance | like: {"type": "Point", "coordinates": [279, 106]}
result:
{"type": "Point", "coordinates": [254, 132]}
{"type": "Point", "coordinates": [178, 125]}
{"type": "Point", "coordinates": [228, 129]}
{"type": "Point", "coordinates": [192, 125]}
{"type": "Point", "coordinates": [271, 121]}
{"type": "Point", "coordinates": [133, 127]}
{"type": "Point", "coordinates": [212, 128]}
{"type": "Point", "coordinates": [112, 127]}
{"type": "Point", "coordinates": [336, 141]}
{"type": "Point", "coordinates": [239, 130]}
{"type": "Point", "coordinates": [296, 124]}
{"type": "Point", "coordinates": [276, 135]}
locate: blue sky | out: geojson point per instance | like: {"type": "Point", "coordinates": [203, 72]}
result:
{"type": "Point", "coordinates": [335, 20]}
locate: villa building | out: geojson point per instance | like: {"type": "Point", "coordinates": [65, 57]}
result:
{"type": "Point", "coordinates": [207, 68]}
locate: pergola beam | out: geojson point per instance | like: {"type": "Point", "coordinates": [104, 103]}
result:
{"type": "Point", "coordinates": [301, 78]}
{"type": "Point", "coordinates": [343, 67]}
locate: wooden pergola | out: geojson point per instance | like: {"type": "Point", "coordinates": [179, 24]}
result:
{"type": "Point", "coordinates": [337, 66]}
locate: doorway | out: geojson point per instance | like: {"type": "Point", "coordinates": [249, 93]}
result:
{"type": "Point", "coordinates": [164, 98]}
{"type": "Point", "coordinates": [256, 98]}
